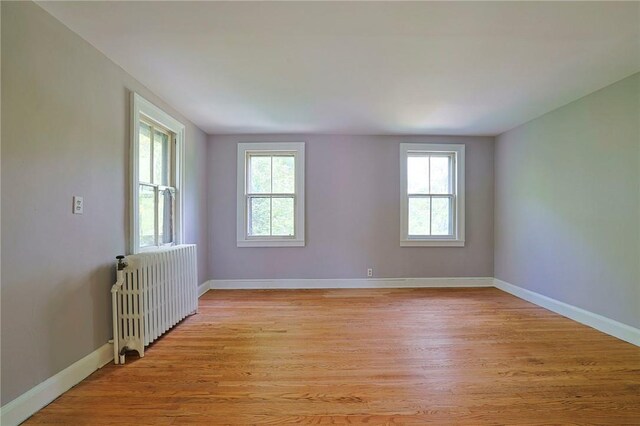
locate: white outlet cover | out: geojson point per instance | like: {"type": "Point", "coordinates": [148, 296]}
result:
{"type": "Point", "coordinates": [78, 205]}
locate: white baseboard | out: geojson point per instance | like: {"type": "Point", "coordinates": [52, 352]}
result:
{"type": "Point", "coordinates": [606, 325]}
{"type": "Point", "coordinates": [203, 288]}
{"type": "Point", "coordinates": [27, 404]}
{"type": "Point", "coordinates": [35, 399]}
{"type": "Point", "coordinates": [333, 283]}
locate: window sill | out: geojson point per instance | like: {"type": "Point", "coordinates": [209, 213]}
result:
{"type": "Point", "coordinates": [150, 249]}
{"type": "Point", "coordinates": [270, 243]}
{"type": "Point", "coordinates": [431, 243]}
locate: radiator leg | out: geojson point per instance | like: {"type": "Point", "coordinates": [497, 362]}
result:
{"type": "Point", "coordinates": [122, 353]}
{"type": "Point", "coordinates": [115, 313]}
{"type": "Point", "coordinates": [150, 296]}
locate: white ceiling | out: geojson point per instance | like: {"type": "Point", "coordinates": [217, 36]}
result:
{"type": "Point", "coordinates": [363, 67]}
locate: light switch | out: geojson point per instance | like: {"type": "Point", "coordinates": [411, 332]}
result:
{"type": "Point", "coordinates": [78, 205]}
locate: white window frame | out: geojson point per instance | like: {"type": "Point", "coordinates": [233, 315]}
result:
{"type": "Point", "coordinates": [143, 109]}
{"type": "Point", "coordinates": [455, 240]}
{"type": "Point", "coordinates": [270, 148]}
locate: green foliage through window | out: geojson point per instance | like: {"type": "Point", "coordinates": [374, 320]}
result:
{"type": "Point", "coordinates": [271, 195]}
{"type": "Point", "coordinates": [429, 189]}
{"type": "Point", "coordinates": [156, 195]}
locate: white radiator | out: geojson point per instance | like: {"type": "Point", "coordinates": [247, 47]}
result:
{"type": "Point", "coordinates": [153, 292]}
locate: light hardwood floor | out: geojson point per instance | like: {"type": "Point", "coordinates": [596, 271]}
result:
{"type": "Point", "coordinates": [401, 356]}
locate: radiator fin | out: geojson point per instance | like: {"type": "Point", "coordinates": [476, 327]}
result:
{"type": "Point", "coordinates": [159, 290]}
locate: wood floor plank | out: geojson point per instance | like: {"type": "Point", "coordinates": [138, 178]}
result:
{"type": "Point", "coordinates": [384, 356]}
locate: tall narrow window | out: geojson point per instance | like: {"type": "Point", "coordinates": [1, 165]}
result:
{"type": "Point", "coordinates": [270, 194]}
{"type": "Point", "coordinates": [432, 202]}
{"type": "Point", "coordinates": [156, 185]}
{"type": "Point", "coordinates": [156, 207]}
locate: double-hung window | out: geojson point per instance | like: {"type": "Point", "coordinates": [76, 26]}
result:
{"type": "Point", "coordinates": [270, 208]}
{"type": "Point", "coordinates": [156, 192]}
{"type": "Point", "coordinates": [432, 195]}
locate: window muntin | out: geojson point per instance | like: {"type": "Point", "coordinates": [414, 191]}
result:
{"type": "Point", "coordinates": [431, 199]}
{"type": "Point", "coordinates": [156, 185]}
{"type": "Point", "coordinates": [432, 202]}
{"type": "Point", "coordinates": [156, 161]}
{"type": "Point", "coordinates": [270, 194]}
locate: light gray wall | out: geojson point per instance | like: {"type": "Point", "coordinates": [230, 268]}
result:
{"type": "Point", "coordinates": [352, 213]}
{"type": "Point", "coordinates": [65, 112]}
{"type": "Point", "coordinates": [567, 203]}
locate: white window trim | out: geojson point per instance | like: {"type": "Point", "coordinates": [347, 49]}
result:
{"type": "Point", "coordinates": [458, 238]}
{"type": "Point", "coordinates": [298, 240]}
{"type": "Point", "coordinates": [142, 108]}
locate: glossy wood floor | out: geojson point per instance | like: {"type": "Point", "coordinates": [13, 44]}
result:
{"type": "Point", "coordinates": [402, 356]}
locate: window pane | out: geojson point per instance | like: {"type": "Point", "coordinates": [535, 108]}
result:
{"type": "Point", "coordinates": [166, 209]}
{"type": "Point", "coordinates": [259, 174]}
{"type": "Point", "coordinates": [419, 216]}
{"type": "Point", "coordinates": [160, 158]}
{"type": "Point", "coordinates": [282, 219]}
{"type": "Point", "coordinates": [440, 216]}
{"type": "Point", "coordinates": [146, 206]}
{"type": "Point", "coordinates": [440, 175]}
{"type": "Point", "coordinates": [284, 175]}
{"type": "Point", "coordinates": [259, 216]}
{"type": "Point", "coordinates": [144, 153]}
{"type": "Point", "coordinates": [418, 175]}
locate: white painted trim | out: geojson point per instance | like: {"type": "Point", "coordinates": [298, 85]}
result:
{"type": "Point", "coordinates": [606, 325]}
{"type": "Point", "coordinates": [140, 107]}
{"type": "Point", "coordinates": [458, 239]}
{"type": "Point", "coordinates": [21, 408]}
{"type": "Point", "coordinates": [27, 404]}
{"type": "Point", "coordinates": [203, 288]}
{"type": "Point", "coordinates": [270, 243]}
{"type": "Point", "coordinates": [432, 243]}
{"type": "Point", "coordinates": [351, 283]}
{"type": "Point", "coordinates": [298, 150]}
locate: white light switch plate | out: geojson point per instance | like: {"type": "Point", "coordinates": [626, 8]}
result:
{"type": "Point", "coordinates": [78, 205]}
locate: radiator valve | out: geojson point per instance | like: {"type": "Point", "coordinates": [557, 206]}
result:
{"type": "Point", "coordinates": [121, 263]}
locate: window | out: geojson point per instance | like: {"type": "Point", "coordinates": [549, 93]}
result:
{"type": "Point", "coordinates": [270, 205]}
{"type": "Point", "coordinates": [156, 144]}
{"type": "Point", "coordinates": [432, 201]}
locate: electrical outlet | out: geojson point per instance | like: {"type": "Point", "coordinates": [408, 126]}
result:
{"type": "Point", "coordinates": [369, 272]}
{"type": "Point", "coordinates": [78, 205]}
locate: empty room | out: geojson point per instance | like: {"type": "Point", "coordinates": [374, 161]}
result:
{"type": "Point", "coordinates": [320, 212]}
